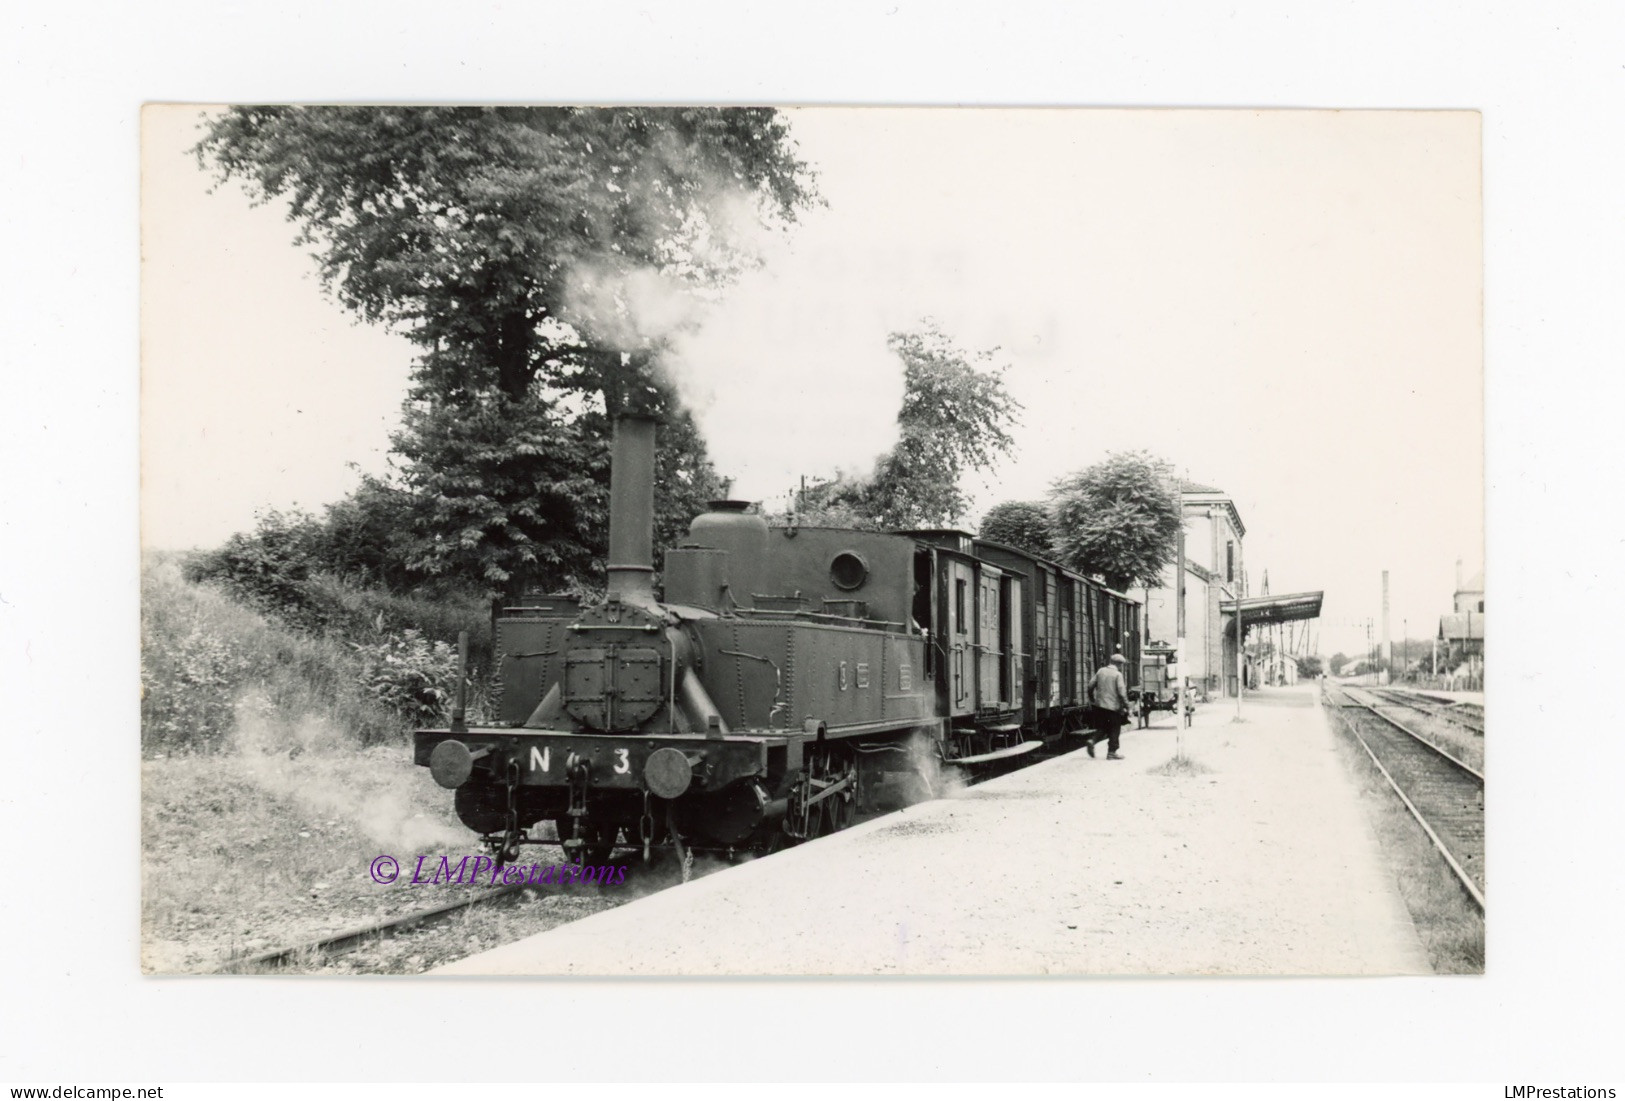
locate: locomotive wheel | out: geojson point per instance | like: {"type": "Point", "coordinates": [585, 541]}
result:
{"type": "Point", "coordinates": [482, 807]}
{"type": "Point", "coordinates": [817, 822]}
{"type": "Point", "coordinates": [837, 811]}
{"type": "Point", "coordinates": [842, 809]}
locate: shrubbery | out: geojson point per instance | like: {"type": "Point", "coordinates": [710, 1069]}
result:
{"type": "Point", "coordinates": [374, 676]}
{"type": "Point", "coordinates": [334, 576]}
{"type": "Point", "coordinates": [266, 569]}
{"type": "Point", "coordinates": [191, 676]}
{"type": "Point", "coordinates": [410, 675]}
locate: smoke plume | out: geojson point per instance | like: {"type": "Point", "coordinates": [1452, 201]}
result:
{"type": "Point", "coordinates": [785, 371]}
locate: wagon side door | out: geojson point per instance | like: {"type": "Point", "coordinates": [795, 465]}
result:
{"type": "Point", "coordinates": [959, 595]}
{"type": "Point", "coordinates": [989, 643]}
{"type": "Point", "coordinates": [1013, 672]}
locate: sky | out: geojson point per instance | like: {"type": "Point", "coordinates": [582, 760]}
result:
{"type": "Point", "coordinates": [1285, 305]}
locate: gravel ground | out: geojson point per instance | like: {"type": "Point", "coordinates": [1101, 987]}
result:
{"type": "Point", "coordinates": [1251, 856]}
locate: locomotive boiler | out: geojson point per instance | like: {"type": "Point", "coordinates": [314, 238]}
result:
{"type": "Point", "coordinates": [786, 679]}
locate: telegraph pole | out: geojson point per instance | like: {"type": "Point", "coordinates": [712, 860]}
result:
{"type": "Point", "coordinates": [1386, 656]}
{"type": "Point", "coordinates": [1179, 619]}
{"type": "Point", "coordinates": [1241, 634]}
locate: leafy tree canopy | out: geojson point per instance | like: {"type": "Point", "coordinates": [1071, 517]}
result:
{"type": "Point", "coordinates": [517, 489]}
{"type": "Point", "coordinates": [513, 246]}
{"type": "Point", "coordinates": [955, 419]}
{"type": "Point", "coordinates": [1024, 525]}
{"type": "Point", "coordinates": [488, 234]}
{"type": "Point", "coordinates": [1118, 519]}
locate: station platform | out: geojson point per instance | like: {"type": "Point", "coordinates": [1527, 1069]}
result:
{"type": "Point", "coordinates": [1258, 861]}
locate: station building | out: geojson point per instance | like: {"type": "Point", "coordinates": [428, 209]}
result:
{"type": "Point", "coordinates": [1213, 576]}
{"type": "Point", "coordinates": [1216, 591]}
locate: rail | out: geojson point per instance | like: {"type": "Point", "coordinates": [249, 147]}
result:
{"type": "Point", "coordinates": [1461, 713]}
{"type": "Point", "coordinates": [1453, 775]}
{"type": "Point", "coordinates": [350, 938]}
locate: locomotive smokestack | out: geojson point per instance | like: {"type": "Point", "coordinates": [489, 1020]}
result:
{"type": "Point", "coordinates": [632, 508]}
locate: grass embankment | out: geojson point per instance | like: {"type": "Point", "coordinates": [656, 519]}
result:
{"type": "Point", "coordinates": [275, 769]}
{"type": "Point", "coordinates": [1451, 927]}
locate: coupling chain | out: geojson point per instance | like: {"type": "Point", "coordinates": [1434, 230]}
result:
{"type": "Point", "coordinates": [646, 828]}
{"type": "Point", "coordinates": [510, 841]}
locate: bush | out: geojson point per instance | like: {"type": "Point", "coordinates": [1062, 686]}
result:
{"type": "Point", "coordinates": [309, 574]}
{"type": "Point", "coordinates": [410, 675]}
{"type": "Point", "coordinates": [190, 688]}
{"type": "Point", "coordinates": [268, 568]}
{"type": "Point", "coordinates": [366, 615]}
{"type": "Point", "coordinates": [203, 655]}
{"type": "Point", "coordinates": [364, 536]}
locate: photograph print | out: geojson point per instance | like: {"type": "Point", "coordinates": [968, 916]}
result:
{"type": "Point", "coordinates": [729, 541]}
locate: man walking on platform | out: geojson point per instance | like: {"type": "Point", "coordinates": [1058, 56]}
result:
{"type": "Point", "coordinates": [1110, 695]}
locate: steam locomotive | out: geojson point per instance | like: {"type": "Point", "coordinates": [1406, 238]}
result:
{"type": "Point", "coordinates": [790, 677]}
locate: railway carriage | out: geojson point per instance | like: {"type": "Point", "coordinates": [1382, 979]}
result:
{"type": "Point", "coordinates": [789, 677]}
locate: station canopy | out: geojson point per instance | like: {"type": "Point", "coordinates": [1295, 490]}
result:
{"type": "Point", "coordinates": [1274, 609]}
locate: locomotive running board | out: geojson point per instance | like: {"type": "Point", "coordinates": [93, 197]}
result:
{"type": "Point", "coordinates": [996, 755]}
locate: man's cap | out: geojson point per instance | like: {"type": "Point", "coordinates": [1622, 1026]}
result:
{"type": "Point", "coordinates": [1120, 658]}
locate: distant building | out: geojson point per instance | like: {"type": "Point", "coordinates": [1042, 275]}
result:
{"type": "Point", "coordinates": [1469, 594]}
{"type": "Point", "coordinates": [1461, 632]}
{"type": "Point", "coordinates": [1276, 666]}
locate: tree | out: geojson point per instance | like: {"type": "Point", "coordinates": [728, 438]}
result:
{"type": "Point", "coordinates": [494, 237]}
{"type": "Point", "coordinates": [1119, 519]}
{"type": "Point", "coordinates": [955, 419]}
{"type": "Point", "coordinates": [1338, 660]}
{"type": "Point", "coordinates": [505, 487]}
{"type": "Point", "coordinates": [1024, 525]}
{"type": "Point", "coordinates": [1309, 667]}
{"type": "Point", "coordinates": [516, 489]}
{"type": "Point", "coordinates": [528, 253]}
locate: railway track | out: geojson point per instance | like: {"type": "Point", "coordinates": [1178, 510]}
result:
{"type": "Point", "coordinates": [1443, 794]}
{"type": "Point", "coordinates": [1467, 715]}
{"type": "Point", "coordinates": [337, 944]}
